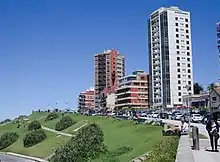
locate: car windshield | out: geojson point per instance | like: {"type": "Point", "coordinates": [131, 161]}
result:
{"type": "Point", "coordinates": [197, 115]}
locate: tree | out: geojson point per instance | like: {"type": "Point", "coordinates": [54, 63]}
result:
{"type": "Point", "coordinates": [197, 88]}
{"type": "Point", "coordinates": [34, 125]}
{"type": "Point", "coordinates": [211, 87]}
{"type": "Point", "coordinates": [8, 139]}
{"type": "Point", "coordinates": [64, 123]}
{"type": "Point", "coordinates": [34, 137]}
{"type": "Point", "coordinates": [87, 145]}
{"type": "Point", "coordinates": [52, 116]}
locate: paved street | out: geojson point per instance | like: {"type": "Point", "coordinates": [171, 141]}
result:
{"type": "Point", "coordinates": [9, 158]}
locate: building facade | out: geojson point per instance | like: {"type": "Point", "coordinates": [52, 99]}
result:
{"type": "Point", "coordinates": [109, 67]}
{"type": "Point", "coordinates": [215, 99]}
{"type": "Point", "coordinates": [170, 57]}
{"type": "Point", "coordinates": [133, 91]}
{"type": "Point", "coordinates": [196, 100]}
{"type": "Point", "coordinates": [86, 100]}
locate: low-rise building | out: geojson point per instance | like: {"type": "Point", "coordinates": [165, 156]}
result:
{"type": "Point", "coordinates": [132, 91]}
{"type": "Point", "coordinates": [215, 99]}
{"type": "Point", "coordinates": [196, 100]}
{"type": "Point", "coordinates": [86, 100]}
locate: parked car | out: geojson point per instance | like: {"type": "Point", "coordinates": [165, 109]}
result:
{"type": "Point", "coordinates": [196, 118]}
{"type": "Point", "coordinates": [155, 115]}
{"type": "Point", "coordinates": [164, 115]}
{"type": "Point", "coordinates": [178, 116]}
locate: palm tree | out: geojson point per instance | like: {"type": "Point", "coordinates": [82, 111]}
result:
{"type": "Point", "coordinates": [197, 88]}
{"type": "Point", "coordinates": [211, 87]}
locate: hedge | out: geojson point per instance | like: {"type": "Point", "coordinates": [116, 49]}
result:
{"type": "Point", "coordinates": [8, 139]}
{"type": "Point", "coordinates": [34, 125]}
{"type": "Point", "coordinates": [64, 123]}
{"type": "Point", "coordinates": [52, 116]}
{"type": "Point", "coordinates": [34, 137]}
{"type": "Point", "coordinates": [165, 151]}
{"type": "Point", "coordinates": [87, 145]}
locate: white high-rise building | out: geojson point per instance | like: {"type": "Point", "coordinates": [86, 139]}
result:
{"type": "Point", "coordinates": [170, 57]}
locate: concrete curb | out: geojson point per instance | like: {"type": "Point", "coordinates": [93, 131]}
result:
{"type": "Point", "coordinates": [25, 157]}
{"type": "Point", "coordinates": [140, 158]}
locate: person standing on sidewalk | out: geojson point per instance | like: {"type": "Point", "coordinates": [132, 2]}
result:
{"type": "Point", "coordinates": [213, 130]}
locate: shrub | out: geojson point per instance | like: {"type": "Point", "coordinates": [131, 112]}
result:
{"type": "Point", "coordinates": [34, 137]}
{"type": "Point", "coordinates": [52, 116]}
{"type": "Point", "coordinates": [87, 145]}
{"type": "Point", "coordinates": [161, 154]}
{"type": "Point", "coordinates": [64, 123]}
{"type": "Point", "coordinates": [34, 125]}
{"type": "Point", "coordinates": [8, 139]}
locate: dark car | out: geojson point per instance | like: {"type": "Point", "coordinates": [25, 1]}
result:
{"type": "Point", "coordinates": [164, 116]}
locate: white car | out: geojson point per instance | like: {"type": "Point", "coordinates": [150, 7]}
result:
{"type": "Point", "coordinates": [155, 115]}
{"type": "Point", "coordinates": [196, 118]}
{"type": "Point", "coordinates": [178, 116]}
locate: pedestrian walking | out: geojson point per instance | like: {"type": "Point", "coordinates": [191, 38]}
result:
{"type": "Point", "coordinates": [213, 130]}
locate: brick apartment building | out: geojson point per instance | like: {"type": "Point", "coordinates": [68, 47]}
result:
{"type": "Point", "coordinates": [108, 68]}
{"type": "Point", "coordinates": [86, 100]}
{"type": "Point", "coordinates": [132, 91]}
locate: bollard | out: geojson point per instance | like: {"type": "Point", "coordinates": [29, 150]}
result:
{"type": "Point", "coordinates": [195, 136]}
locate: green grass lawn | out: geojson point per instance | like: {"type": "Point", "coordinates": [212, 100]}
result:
{"type": "Point", "coordinates": [140, 138]}
{"type": "Point", "coordinates": [41, 150]}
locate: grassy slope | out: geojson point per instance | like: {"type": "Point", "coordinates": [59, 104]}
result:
{"type": "Point", "coordinates": [141, 138]}
{"type": "Point", "coordinates": [41, 150]}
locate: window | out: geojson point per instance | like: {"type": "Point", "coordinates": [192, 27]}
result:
{"type": "Point", "coordinates": [184, 70]}
{"type": "Point", "coordinates": [177, 29]}
{"type": "Point", "coordinates": [188, 53]}
{"type": "Point", "coordinates": [183, 58]}
{"type": "Point", "coordinates": [189, 71]}
{"type": "Point", "coordinates": [179, 99]}
{"type": "Point", "coordinates": [177, 41]}
{"type": "Point", "coordinates": [189, 82]}
{"type": "Point", "coordinates": [178, 52]}
{"type": "Point", "coordinates": [189, 76]}
{"type": "Point", "coordinates": [187, 42]}
{"type": "Point", "coordinates": [187, 48]}
{"type": "Point", "coordinates": [179, 87]}
{"type": "Point", "coordinates": [177, 47]}
{"type": "Point", "coordinates": [179, 81]}
{"type": "Point", "coordinates": [181, 18]}
{"type": "Point", "coordinates": [214, 99]}
{"type": "Point", "coordinates": [187, 31]}
{"type": "Point", "coordinates": [177, 35]}
{"type": "Point", "coordinates": [178, 75]}
{"type": "Point", "coordinates": [176, 18]}
{"type": "Point", "coordinates": [178, 64]}
{"type": "Point", "coordinates": [187, 36]}
{"type": "Point", "coordinates": [188, 59]}
{"type": "Point", "coordinates": [182, 29]}
{"type": "Point", "coordinates": [187, 25]}
{"type": "Point", "coordinates": [178, 70]}
{"type": "Point", "coordinates": [178, 58]}
{"type": "Point", "coordinates": [176, 24]}
{"type": "Point", "coordinates": [186, 20]}
{"type": "Point", "coordinates": [182, 41]}
{"type": "Point", "coordinates": [179, 94]}
{"type": "Point", "coordinates": [188, 65]}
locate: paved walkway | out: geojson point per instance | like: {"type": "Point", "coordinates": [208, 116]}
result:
{"type": "Point", "coordinates": [57, 132]}
{"type": "Point", "coordinates": [186, 154]}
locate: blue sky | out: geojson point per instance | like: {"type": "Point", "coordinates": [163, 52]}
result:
{"type": "Point", "coordinates": [47, 46]}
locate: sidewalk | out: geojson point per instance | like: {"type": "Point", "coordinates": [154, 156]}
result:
{"type": "Point", "coordinates": [203, 155]}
